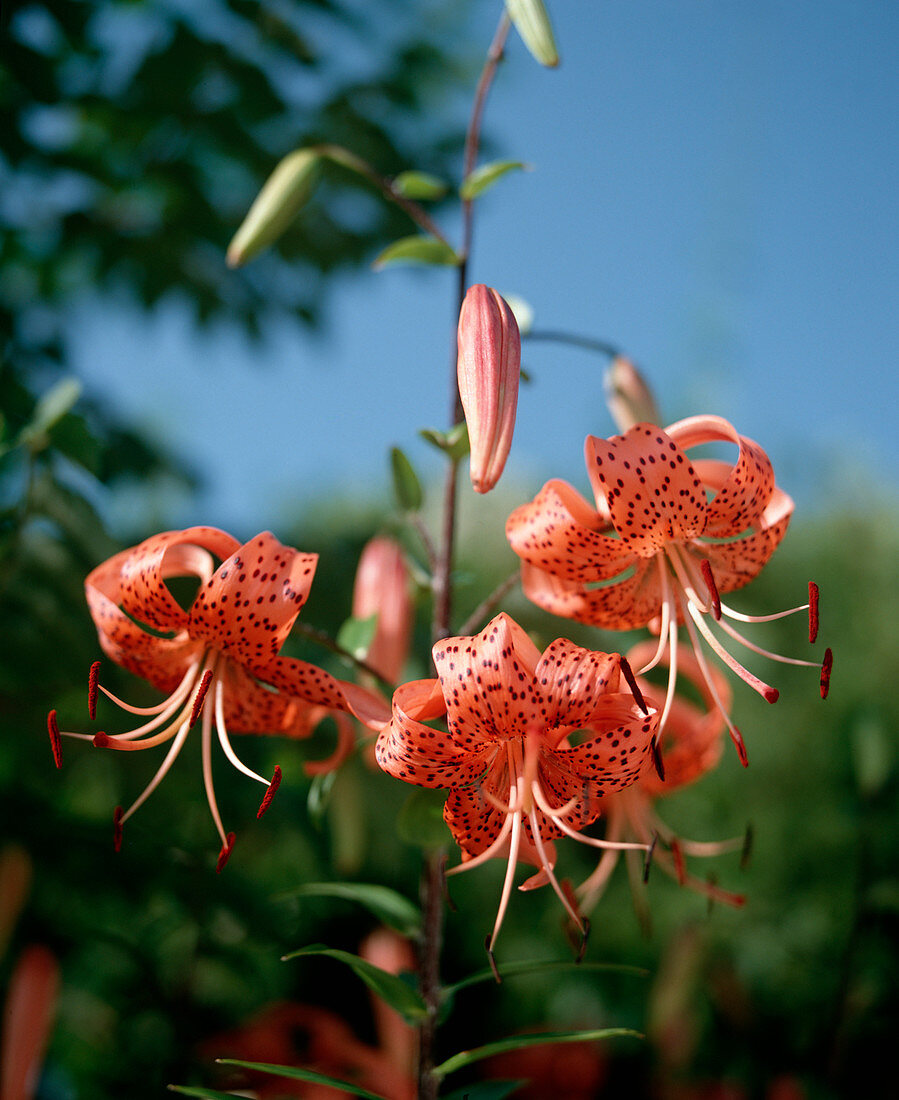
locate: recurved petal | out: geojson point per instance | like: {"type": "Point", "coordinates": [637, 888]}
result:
{"type": "Point", "coordinates": [252, 707]}
{"type": "Point", "coordinates": [735, 563]}
{"type": "Point", "coordinates": [139, 585]}
{"type": "Point", "coordinates": [653, 493]}
{"type": "Point", "coordinates": [247, 607]}
{"type": "Point", "coordinates": [474, 821]}
{"type": "Point", "coordinates": [410, 750]}
{"type": "Point", "coordinates": [312, 684]}
{"type": "Point", "coordinates": [560, 533]}
{"type": "Point", "coordinates": [573, 680]}
{"type": "Point", "coordinates": [488, 683]}
{"type": "Point", "coordinates": [161, 661]}
{"type": "Point", "coordinates": [743, 495]}
{"type": "Point", "coordinates": [626, 604]}
{"type": "Point", "coordinates": [619, 750]}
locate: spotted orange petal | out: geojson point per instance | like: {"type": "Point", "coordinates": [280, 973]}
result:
{"type": "Point", "coordinates": [251, 707]}
{"type": "Point", "coordinates": [247, 607]}
{"type": "Point", "coordinates": [743, 495]}
{"type": "Point", "coordinates": [620, 605]}
{"type": "Point", "coordinates": [488, 682]}
{"type": "Point", "coordinates": [735, 563]}
{"type": "Point", "coordinates": [410, 750]}
{"type": "Point", "coordinates": [573, 680]}
{"type": "Point", "coordinates": [652, 491]}
{"type": "Point", "coordinates": [312, 684]}
{"type": "Point", "coordinates": [560, 533]}
{"type": "Point", "coordinates": [161, 661]}
{"type": "Point", "coordinates": [619, 749]}
{"type": "Point", "coordinates": [140, 573]}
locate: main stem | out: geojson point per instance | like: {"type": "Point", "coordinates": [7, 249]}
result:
{"type": "Point", "coordinates": [432, 881]}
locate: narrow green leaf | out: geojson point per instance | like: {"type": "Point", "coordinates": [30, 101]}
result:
{"type": "Point", "coordinates": [406, 485]}
{"type": "Point", "coordinates": [513, 970]}
{"type": "Point", "coordinates": [51, 408]}
{"type": "Point", "coordinates": [203, 1093]}
{"type": "Point", "coordinates": [387, 905]}
{"type": "Point", "coordinates": [484, 177]}
{"type": "Point", "coordinates": [296, 1074]}
{"type": "Point", "coordinates": [320, 795]}
{"type": "Point", "coordinates": [355, 635]}
{"type": "Point", "coordinates": [418, 250]}
{"type": "Point", "coordinates": [454, 443]}
{"type": "Point", "coordinates": [516, 1042]}
{"type": "Point", "coordinates": [420, 821]}
{"type": "Point", "coordinates": [420, 185]}
{"type": "Point", "coordinates": [389, 987]}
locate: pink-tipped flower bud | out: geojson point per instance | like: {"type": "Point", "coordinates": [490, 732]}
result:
{"type": "Point", "coordinates": [489, 367]}
{"type": "Point", "coordinates": [382, 588]}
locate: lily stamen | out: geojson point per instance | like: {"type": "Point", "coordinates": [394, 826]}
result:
{"type": "Point", "coordinates": [550, 874]}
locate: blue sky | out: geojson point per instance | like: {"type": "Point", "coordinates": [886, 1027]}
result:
{"type": "Point", "coordinates": [713, 189]}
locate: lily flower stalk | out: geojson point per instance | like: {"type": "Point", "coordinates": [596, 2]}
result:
{"type": "Point", "coordinates": [488, 370]}
{"type": "Point", "coordinates": [533, 743]}
{"type": "Point", "coordinates": [216, 660]}
{"type": "Point", "coordinates": [665, 538]}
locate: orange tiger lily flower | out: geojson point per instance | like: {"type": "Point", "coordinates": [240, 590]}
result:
{"type": "Point", "coordinates": [691, 746]}
{"type": "Point", "coordinates": [217, 660]}
{"type": "Point", "coordinates": [515, 778]}
{"type": "Point", "coordinates": [666, 537]}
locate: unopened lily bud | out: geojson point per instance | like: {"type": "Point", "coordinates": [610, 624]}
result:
{"type": "Point", "coordinates": [382, 588]}
{"type": "Point", "coordinates": [532, 23]}
{"type": "Point", "coordinates": [489, 368]}
{"type": "Point", "coordinates": [283, 194]}
{"type": "Point", "coordinates": [628, 397]}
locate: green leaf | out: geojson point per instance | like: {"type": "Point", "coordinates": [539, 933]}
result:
{"type": "Point", "coordinates": [483, 178]}
{"type": "Point", "coordinates": [51, 408]}
{"type": "Point", "coordinates": [355, 635]}
{"type": "Point", "coordinates": [389, 987]}
{"type": "Point", "coordinates": [296, 1074]}
{"type": "Point", "coordinates": [203, 1093]}
{"type": "Point", "coordinates": [420, 821]}
{"type": "Point", "coordinates": [454, 443]}
{"type": "Point", "coordinates": [485, 1090]}
{"type": "Point", "coordinates": [418, 250]}
{"type": "Point", "coordinates": [320, 795]}
{"type": "Point", "coordinates": [419, 185]}
{"type": "Point", "coordinates": [387, 905]}
{"type": "Point", "coordinates": [517, 969]}
{"type": "Point", "coordinates": [406, 485]}
{"type": "Point", "coordinates": [516, 1042]}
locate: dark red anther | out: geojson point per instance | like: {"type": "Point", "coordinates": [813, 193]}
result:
{"type": "Point", "coordinates": [812, 611]}
{"type": "Point", "coordinates": [200, 698]}
{"type": "Point", "coordinates": [93, 683]}
{"type": "Point", "coordinates": [493, 965]}
{"type": "Point", "coordinates": [680, 864]}
{"type": "Point", "coordinates": [270, 792]}
{"type": "Point", "coordinates": [117, 828]}
{"type": "Point", "coordinates": [826, 668]}
{"type": "Point", "coordinates": [739, 745]}
{"type": "Point", "coordinates": [225, 853]}
{"type": "Point", "coordinates": [102, 740]}
{"type": "Point", "coordinates": [55, 740]}
{"type": "Point", "coordinates": [747, 848]}
{"type": "Point", "coordinates": [647, 859]}
{"type": "Point", "coordinates": [628, 674]}
{"type": "Point", "coordinates": [657, 760]}
{"type": "Point", "coordinates": [770, 694]}
{"type": "Point", "coordinates": [712, 587]}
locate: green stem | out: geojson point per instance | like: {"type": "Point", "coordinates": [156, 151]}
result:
{"type": "Point", "coordinates": [356, 164]}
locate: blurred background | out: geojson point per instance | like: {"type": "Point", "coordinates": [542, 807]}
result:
{"type": "Point", "coordinates": [713, 191]}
